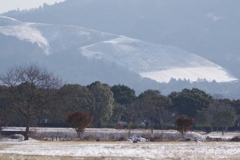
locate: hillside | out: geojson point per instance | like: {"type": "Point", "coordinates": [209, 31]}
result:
{"type": "Point", "coordinates": [81, 55]}
{"type": "Point", "coordinates": [206, 28]}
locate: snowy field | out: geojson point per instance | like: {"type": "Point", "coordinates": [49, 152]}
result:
{"type": "Point", "coordinates": [121, 150]}
{"type": "Point", "coordinates": [67, 150]}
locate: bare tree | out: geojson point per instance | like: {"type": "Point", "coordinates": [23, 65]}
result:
{"type": "Point", "coordinates": [32, 89]}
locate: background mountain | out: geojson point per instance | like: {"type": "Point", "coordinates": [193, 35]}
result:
{"type": "Point", "coordinates": [206, 28]}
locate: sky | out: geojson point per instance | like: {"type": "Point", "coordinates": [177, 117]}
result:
{"type": "Point", "coordinates": [6, 5]}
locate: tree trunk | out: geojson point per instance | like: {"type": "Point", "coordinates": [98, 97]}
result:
{"type": "Point", "coordinates": [99, 124]}
{"type": "Point", "coordinates": [147, 124]}
{"type": "Point", "coordinates": [26, 135]}
{"type": "Point", "coordinates": [152, 129]}
{"type": "Point", "coordinates": [183, 135]}
{"type": "Point", "coordinates": [223, 131]}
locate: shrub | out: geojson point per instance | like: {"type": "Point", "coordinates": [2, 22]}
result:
{"type": "Point", "coordinates": [183, 124]}
{"type": "Point", "coordinates": [78, 120]}
{"type": "Point", "coordinates": [118, 126]}
{"type": "Point", "coordinates": [235, 139]}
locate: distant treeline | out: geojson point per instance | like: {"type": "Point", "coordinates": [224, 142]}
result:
{"type": "Point", "coordinates": [32, 96]}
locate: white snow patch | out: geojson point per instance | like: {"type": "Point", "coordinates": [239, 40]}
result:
{"type": "Point", "coordinates": [25, 32]}
{"type": "Point", "coordinates": [122, 39]}
{"type": "Point", "coordinates": [192, 74]}
{"type": "Point", "coordinates": [157, 62]}
{"type": "Point", "coordinates": [7, 21]}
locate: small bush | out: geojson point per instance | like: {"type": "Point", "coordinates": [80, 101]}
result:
{"type": "Point", "coordinates": [37, 136]}
{"type": "Point", "coordinates": [123, 137]}
{"type": "Point", "coordinates": [183, 124]}
{"type": "Point", "coordinates": [17, 136]}
{"type": "Point", "coordinates": [90, 137]}
{"type": "Point", "coordinates": [158, 137]}
{"type": "Point", "coordinates": [118, 126]}
{"type": "Point", "coordinates": [78, 120]}
{"type": "Point", "coordinates": [111, 137]}
{"type": "Point", "coordinates": [235, 139]}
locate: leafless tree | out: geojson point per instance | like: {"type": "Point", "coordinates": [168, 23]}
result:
{"type": "Point", "coordinates": [32, 90]}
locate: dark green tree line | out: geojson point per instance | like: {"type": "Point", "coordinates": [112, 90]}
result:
{"type": "Point", "coordinates": [37, 94]}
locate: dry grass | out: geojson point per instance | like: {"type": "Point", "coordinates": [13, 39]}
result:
{"type": "Point", "coordinates": [3, 146]}
{"type": "Point", "coordinates": [31, 157]}
{"type": "Point", "coordinates": [37, 157]}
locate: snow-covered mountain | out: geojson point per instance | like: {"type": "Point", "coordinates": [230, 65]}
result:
{"type": "Point", "coordinates": [157, 62]}
{"type": "Point", "coordinates": [150, 60]}
{"type": "Point", "coordinates": [208, 28]}
{"type": "Point", "coordinates": [77, 54]}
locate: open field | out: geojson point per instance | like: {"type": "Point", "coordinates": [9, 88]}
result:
{"type": "Point", "coordinates": [119, 150]}
{"type": "Point", "coordinates": [17, 149]}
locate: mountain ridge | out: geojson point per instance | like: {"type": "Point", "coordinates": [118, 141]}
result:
{"type": "Point", "coordinates": [121, 60]}
{"type": "Point", "coordinates": [134, 54]}
{"type": "Point", "coordinates": [206, 28]}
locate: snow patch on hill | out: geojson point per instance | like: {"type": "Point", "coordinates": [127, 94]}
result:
{"type": "Point", "coordinates": [61, 37]}
{"type": "Point", "coordinates": [157, 62]}
{"type": "Point", "coordinates": [154, 61]}
{"type": "Point", "coordinates": [192, 74]}
{"type": "Point", "coordinates": [24, 31]}
{"type": "Point", "coordinates": [7, 21]}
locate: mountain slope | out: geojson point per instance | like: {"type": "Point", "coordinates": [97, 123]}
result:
{"type": "Point", "coordinates": [207, 28]}
{"type": "Point", "coordinates": [82, 55]}
{"type": "Point", "coordinates": [157, 62]}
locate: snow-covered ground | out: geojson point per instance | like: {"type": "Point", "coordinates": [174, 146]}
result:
{"type": "Point", "coordinates": [104, 133]}
{"type": "Point", "coordinates": [122, 150]}
{"type": "Point", "coordinates": [149, 150]}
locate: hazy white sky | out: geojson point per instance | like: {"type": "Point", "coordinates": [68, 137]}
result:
{"type": "Point", "coordinates": [6, 5]}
